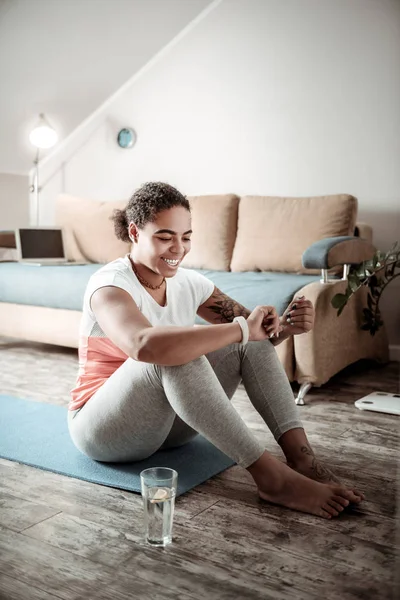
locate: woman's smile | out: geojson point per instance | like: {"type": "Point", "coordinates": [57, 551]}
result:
{"type": "Point", "coordinates": [171, 262]}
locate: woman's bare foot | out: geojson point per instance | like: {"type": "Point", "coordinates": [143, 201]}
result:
{"type": "Point", "coordinates": [308, 465]}
{"type": "Point", "coordinates": [279, 484]}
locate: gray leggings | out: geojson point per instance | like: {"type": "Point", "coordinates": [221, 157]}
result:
{"type": "Point", "coordinates": [143, 407]}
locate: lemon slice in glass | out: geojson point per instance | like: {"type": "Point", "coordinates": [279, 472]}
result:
{"type": "Point", "coordinates": [160, 495]}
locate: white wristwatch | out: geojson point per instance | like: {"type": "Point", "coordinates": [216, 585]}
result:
{"type": "Point", "coordinates": [245, 329]}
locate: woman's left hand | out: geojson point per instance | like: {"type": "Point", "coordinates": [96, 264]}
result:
{"type": "Point", "coordinates": [299, 316]}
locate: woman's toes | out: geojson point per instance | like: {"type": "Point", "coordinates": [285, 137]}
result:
{"type": "Point", "coordinates": [336, 505]}
{"type": "Point", "coordinates": [324, 514]}
{"type": "Point", "coordinates": [329, 509]}
{"type": "Point", "coordinates": [341, 500]}
{"type": "Point", "coordinates": [348, 494]}
{"type": "Point", "coordinates": [357, 497]}
{"type": "Point", "coordinates": [359, 494]}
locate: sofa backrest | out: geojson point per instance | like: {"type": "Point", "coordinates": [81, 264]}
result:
{"type": "Point", "coordinates": [273, 232]}
{"type": "Point", "coordinates": [89, 232]}
{"type": "Point", "coordinates": [247, 234]}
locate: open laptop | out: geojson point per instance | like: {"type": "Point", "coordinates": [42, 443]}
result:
{"type": "Point", "coordinates": [40, 246]}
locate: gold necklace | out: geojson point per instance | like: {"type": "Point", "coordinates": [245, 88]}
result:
{"type": "Point", "coordinates": [142, 280]}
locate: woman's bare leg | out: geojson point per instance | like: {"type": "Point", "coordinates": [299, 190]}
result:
{"type": "Point", "coordinates": [271, 395]}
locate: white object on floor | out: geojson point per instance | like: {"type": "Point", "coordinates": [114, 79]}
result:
{"type": "Point", "coordinates": [380, 402]}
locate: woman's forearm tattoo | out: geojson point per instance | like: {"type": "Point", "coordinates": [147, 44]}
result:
{"type": "Point", "coordinates": [226, 308]}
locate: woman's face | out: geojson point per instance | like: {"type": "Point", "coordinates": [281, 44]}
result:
{"type": "Point", "coordinates": [162, 244]}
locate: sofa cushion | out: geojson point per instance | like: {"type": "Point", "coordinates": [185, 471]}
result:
{"type": "Point", "coordinates": [214, 223]}
{"type": "Point", "coordinates": [51, 286]}
{"type": "Point", "coordinates": [89, 232]}
{"type": "Point", "coordinates": [274, 232]}
{"type": "Point", "coordinates": [252, 289]}
{"type": "Point", "coordinates": [64, 286]}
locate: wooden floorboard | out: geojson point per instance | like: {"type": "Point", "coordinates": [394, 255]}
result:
{"type": "Point", "coordinates": [66, 539]}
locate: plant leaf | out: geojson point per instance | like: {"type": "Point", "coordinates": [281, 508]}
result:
{"type": "Point", "coordinates": [359, 273]}
{"type": "Point", "coordinates": [354, 282]}
{"type": "Point", "coordinates": [339, 300]}
{"type": "Point", "coordinates": [374, 273]}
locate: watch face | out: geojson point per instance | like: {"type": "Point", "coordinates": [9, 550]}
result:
{"type": "Point", "coordinates": [126, 138]}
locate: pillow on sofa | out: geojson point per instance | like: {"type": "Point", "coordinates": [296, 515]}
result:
{"type": "Point", "coordinates": [274, 232]}
{"type": "Point", "coordinates": [214, 224]}
{"type": "Point", "coordinates": [89, 232]}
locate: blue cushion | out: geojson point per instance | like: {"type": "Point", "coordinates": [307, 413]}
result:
{"type": "Point", "coordinates": [252, 288]}
{"type": "Point", "coordinates": [317, 255]}
{"type": "Point", "coordinates": [64, 286]}
{"type": "Point", "coordinates": [55, 287]}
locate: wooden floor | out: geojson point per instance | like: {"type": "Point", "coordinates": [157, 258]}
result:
{"type": "Point", "coordinates": [69, 539]}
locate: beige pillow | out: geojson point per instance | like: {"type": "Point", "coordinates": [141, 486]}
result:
{"type": "Point", "coordinates": [274, 232]}
{"type": "Point", "coordinates": [89, 232]}
{"type": "Point", "coordinates": [214, 223]}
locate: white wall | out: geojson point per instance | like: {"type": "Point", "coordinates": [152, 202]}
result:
{"type": "Point", "coordinates": [65, 57]}
{"type": "Point", "coordinates": [14, 201]}
{"type": "Point", "coordinates": [260, 97]}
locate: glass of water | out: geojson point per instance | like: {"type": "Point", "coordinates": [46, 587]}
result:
{"type": "Point", "coordinates": [159, 485]}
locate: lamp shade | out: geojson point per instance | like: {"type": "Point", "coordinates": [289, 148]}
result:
{"type": "Point", "coordinates": [43, 135]}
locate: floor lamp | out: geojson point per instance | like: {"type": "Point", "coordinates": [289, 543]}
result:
{"type": "Point", "coordinates": [42, 136]}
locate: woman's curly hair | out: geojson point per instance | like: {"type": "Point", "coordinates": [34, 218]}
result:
{"type": "Point", "coordinates": [143, 207]}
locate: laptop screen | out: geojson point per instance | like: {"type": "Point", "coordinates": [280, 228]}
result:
{"type": "Point", "coordinates": [41, 243]}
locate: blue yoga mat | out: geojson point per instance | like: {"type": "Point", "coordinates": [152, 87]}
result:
{"type": "Point", "coordinates": [37, 435]}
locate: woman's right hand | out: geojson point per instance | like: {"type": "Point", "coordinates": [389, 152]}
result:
{"type": "Point", "coordinates": [263, 323]}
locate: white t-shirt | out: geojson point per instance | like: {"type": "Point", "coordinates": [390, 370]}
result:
{"type": "Point", "coordinates": [99, 357]}
{"type": "Point", "coordinates": [186, 291]}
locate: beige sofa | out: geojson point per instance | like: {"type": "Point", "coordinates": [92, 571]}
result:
{"type": "Point", "coordinates": [256, 234]}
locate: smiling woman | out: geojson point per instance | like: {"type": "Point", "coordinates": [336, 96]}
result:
{"type": "Point", "coordinates": [149, 379]}
{"type": "Point", "coordinates": [157, 249]}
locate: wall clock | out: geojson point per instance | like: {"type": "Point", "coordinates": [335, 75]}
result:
{"type": "Point", "coordinates": [126, 138]}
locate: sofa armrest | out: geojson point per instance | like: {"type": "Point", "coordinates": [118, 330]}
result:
{"type": "Point", "coordinates": [363, 230]}
{"type": "Point", "coordinates": [333, 251]}
{"type": "Point", "coordinates": [335, 342]}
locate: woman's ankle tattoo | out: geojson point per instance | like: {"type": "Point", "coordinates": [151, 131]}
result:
{"type": "Point", "coordinates": [321, 472]}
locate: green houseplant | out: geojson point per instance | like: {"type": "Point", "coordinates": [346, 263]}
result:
{"type": "Point", "coordinates": [376, 274]}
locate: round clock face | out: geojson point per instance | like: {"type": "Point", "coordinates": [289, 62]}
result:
{"type": "Point", "coordinates": [126, 138]}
